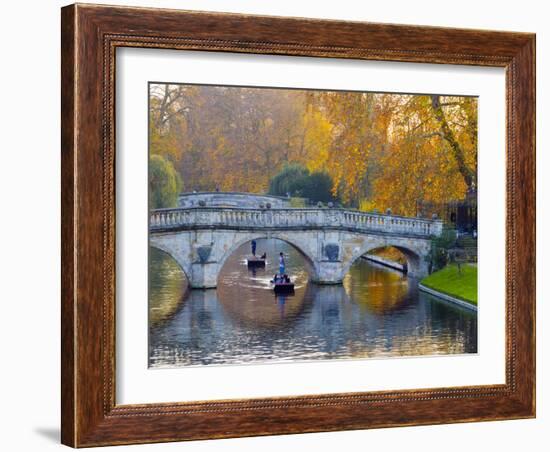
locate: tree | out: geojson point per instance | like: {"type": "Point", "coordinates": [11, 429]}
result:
{"type": "Point", "coordinates": [289, 181]}
{"type": "Point", "coordinates": [296, 180]}
{"type": "Point", "coordinates": [169, 102]}
{"type": "Point", "coordinates": [352, 116]}
{"type": "Point", "coordinates": [448, 134]}
{"type": "Point", "coordinates": [378, 150]}
{"type": "Point", "coordinates": [418, 163]}
{"type": "Point", "coordinates": [164, 183]}
{"type": "Point", "coordinates": [318, 187]}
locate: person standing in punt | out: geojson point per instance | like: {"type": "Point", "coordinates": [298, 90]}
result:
{"type": "Point", "coordinates": [253, 245]}
{"type": "Point", "coordinates": [281, 264]}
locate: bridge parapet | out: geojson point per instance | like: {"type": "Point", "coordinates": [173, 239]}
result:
{"type": "Point", "coordinates": [231, 199]}
{"type": "Point", "coordinates": [292, 219]}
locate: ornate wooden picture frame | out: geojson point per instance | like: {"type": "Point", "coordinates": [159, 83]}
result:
{"type": "Point", "coordinates": [90, 37]}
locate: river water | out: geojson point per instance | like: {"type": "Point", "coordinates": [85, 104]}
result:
{"type": "Point", "coordinates": [376, 312]}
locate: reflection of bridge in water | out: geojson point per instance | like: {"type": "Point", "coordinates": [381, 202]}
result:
{"type": "Point", "coordinates": [321, 323]}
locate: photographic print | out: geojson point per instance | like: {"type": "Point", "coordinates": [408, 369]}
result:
{"type": "Point", "coordinates": [270, 225]}
{"type": "Point", "coordinates": [291, 225]}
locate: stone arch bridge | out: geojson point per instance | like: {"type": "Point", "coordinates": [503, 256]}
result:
{"type": "Point", "coordinates": [200, 239]}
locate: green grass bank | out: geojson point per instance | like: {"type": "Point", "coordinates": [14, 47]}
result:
{"type": "Point", "coordinates": [449, 281]}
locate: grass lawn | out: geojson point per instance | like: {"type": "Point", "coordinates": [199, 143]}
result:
{"type": "Point", "coordinates": [450, 282]}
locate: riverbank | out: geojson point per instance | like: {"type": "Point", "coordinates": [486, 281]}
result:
{"type": "Point", "coordinates": [448, 281]}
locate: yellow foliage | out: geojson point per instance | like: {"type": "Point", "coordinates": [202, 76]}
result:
{"type": "Point", "coordinates": [381, 150]}
{"type": "Point", "coordinates": [366, 205]}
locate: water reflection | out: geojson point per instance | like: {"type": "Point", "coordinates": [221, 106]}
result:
{"type": "Point", "coordinates": [376, 312]}
{"type": "Point", "coordinates": [167, 287]}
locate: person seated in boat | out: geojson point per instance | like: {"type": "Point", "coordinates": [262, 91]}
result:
{"type": "Point", "coordinates": [263, 256]}
{"type": "Point", "coordinates": [286, 279]}
{"type": "Point", "coordinates": [275, 278]}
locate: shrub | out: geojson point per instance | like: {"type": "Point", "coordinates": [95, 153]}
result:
{"type": "Point", "coordinates": [439, 254]}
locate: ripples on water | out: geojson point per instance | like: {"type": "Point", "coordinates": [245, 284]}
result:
{"type": "Point", "coordinates": [376, 312]}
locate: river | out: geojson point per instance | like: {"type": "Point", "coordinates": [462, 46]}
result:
{"type": "Point", "coordinates": [376, 312]}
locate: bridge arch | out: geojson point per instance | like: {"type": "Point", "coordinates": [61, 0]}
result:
{"type": "Point", "coordinates": [169, 251]}
{"type": "Point", "coordinates": [283, 238]}
{"type": "Point", "coordinates": [416, 265]}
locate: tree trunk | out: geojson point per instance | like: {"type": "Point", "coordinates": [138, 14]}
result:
{"type": "Point", "coordinates": [467, 173]}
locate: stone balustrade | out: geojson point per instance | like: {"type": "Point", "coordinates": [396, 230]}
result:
{"type": "Point", "coordinates": [291, 219]}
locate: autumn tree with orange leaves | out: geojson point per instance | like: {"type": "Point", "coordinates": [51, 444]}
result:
{"type": "Point", "coordinates": [381, 150]}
